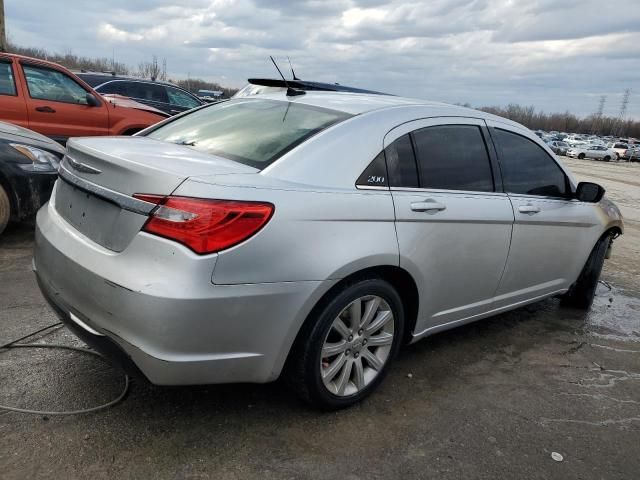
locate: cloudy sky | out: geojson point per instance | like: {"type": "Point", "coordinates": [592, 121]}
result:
{"type": "Point", "coordinates": [553, 54]}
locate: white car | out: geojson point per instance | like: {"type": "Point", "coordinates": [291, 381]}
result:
{"type": "Point", "coordinates": [619, 148]}
{"type": "Point", "coordinates": [597, 152]}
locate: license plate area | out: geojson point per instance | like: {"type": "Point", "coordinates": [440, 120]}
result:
{"type": "Point", "coordinates": [98, 219]}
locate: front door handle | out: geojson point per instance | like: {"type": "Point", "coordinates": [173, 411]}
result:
{"type": "Point", "coordinates": [428, 205]}
{"type": "Point", "coordinates": [45, 109]}
{"type": "Point", "coordinates": [529, 209]}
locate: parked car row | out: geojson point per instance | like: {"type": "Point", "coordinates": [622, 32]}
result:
{"type": "Point", "coordinates": [591, 146]}
{"type": "Point", "coordinates": [49, 99]}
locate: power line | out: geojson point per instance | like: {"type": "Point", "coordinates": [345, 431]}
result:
{"type": "Point", "coordinates": [598, 116]}
{"type": "Point", "coordinates": [620, 126]}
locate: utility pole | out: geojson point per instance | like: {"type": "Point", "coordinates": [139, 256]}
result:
{"type": "Point", "coordinates": [598, 117]}
{"type": "Point", "coordinates": [3, 35]}
{"type": "Point", "coordinates": [619, 130]}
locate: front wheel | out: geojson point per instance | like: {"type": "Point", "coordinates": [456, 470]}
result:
{"type": "Point", "coordinates": [582, 293]}
{"type": "Point", "coordinates": [581, 156]}
{"type": "Point", "coordinates": [344, 350]}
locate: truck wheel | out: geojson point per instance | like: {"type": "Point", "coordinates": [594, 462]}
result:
{"type": "Point", "coordinates": [5, 209]}
{"type": "Point", "coordinates": [582, 292]}
{"type": "Point", "coordinates": [581, 156]}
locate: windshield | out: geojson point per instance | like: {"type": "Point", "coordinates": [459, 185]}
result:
{"type": "Point", "coordinates": [251, 131]}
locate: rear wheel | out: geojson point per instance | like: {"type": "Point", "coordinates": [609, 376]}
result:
{"type": "Point", "coordinates": [5, 209]}
{"type": "Point", "coordinates": [608, 158]}
{"type": "Point", "coordinates": [345, 348]}
{"type": "Point", "coordinates": [581, 156]}
{"type": "Point", "coordinates": [581, 293]}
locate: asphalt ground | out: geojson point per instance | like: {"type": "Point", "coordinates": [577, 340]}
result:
{"type": "Point", "coordinates": [490, 400]}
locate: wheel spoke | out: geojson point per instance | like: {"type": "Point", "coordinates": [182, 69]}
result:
{"type": "Point", "coordinates": [333, 349]}
{"type": "Point", "coordinates": [380, 340]}
{"type": "Point", "coordinates": [359, 373]}
{"type": "Point", "coordinates": [333, 369]}
{"type": "Point", "coordinates": [369, 312]}
{"type": "Point", "coordinates": [355, 312]}
{"type": "Point", "coordinates": [380, 321]}
{"type": "Point", "coordinates": [341, 328]}
{"type": "Point", "coordinates": [344, 377]}
{"type": "Point", "coordinates": [373, 361]}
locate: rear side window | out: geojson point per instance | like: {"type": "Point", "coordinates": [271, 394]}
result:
{"type": "Point", "coordinates": [527, 168]}
{"type": "Point", "coordinates": [254, 131]}
{"type": "Point", "coordinates": [116, 88]}
{"type": "Point", "coordinates": [453, 157]}
{"type": "Point", "coordinates": [147, 91]}
{"type": "Point", "coordinates": [7, 84]}
{"type": "Point", "coordinates": [401, 163]}
{"type": "Point", "coordinates": [375, 175]}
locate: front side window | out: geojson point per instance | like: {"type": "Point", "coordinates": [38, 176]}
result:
{"type": "Point", "coordinates": [527, 168]}
{"type": "Point", "coordinates": [453, 157]}
{"type": "Point", "coordinates": [7, 84]}
{"type": "Point", "coordinates": [181, 99]}
{"type": "Point", "coordinates": [147, 91]}
{"type": "Point", "coordinates": [253, 131]}
{"type": "Point", "coordinates": [48, 84]}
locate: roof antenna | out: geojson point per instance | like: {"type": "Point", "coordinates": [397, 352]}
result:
{"type": "Point", "coordinates": [291, 92]}
{"type": "Point", "coordinates": [291, 67]}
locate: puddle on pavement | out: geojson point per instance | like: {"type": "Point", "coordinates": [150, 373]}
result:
{"type": "Point", "coordinates": [614, 315]}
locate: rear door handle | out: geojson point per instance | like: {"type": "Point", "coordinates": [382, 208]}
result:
{"type": "Point", "coordinates": [45, 109]}
{"type": "Point", "coordinates": [529, 209]}
{"type": "Point", "coordinates": [427, 206]}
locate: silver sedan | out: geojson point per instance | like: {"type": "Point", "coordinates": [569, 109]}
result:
{"type": "Point", "coordinates": [310, 236]}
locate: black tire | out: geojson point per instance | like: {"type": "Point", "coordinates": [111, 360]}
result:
{"type": "Point", "coordinates": [582, 292]}
{"type": "Point", "coordinates": [581, 156]}
{"type": "Point", "coordinates": [608, 158]}
{"type": "Point", "coordinates": [5, 209]}
{"type": "Point", "coordinates": [302, 372]}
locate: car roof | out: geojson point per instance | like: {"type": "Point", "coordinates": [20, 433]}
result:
{"type": "Point", "coordinates": [98, 78]}
{"type": "Point", "coordinates": [361, 103]}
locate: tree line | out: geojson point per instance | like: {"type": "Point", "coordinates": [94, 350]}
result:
{"type": "Point", "coordinates": [150, 70]}
{"type": "Point", "coordinates": [567, 122]}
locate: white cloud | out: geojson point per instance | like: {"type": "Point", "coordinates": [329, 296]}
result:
{"type": "Point", "coordinates": [555, 54]}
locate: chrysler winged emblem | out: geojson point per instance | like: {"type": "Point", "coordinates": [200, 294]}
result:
{"type": "Point", "coordinates": [82, 167]}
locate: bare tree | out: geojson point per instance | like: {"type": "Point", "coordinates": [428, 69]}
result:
{"type": "Point", "coordinates": [152, 69]}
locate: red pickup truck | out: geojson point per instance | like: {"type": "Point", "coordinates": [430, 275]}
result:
{"type": "Point", "coordinates": [49, 99]}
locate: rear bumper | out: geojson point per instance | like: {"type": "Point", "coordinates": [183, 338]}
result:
{"type": "Point", "coordinates": [165, 318]}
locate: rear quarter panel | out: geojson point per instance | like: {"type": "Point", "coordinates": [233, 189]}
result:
{"type": "Point", "coordinates": [314, 234]}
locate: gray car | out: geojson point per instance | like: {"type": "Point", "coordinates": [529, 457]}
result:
{"type": "Point", "coordinates": [310, 236]}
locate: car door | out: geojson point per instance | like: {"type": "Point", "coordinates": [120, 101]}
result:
{"type": "Point", "coordinates": [12, 105]}
{"type": "Point", "coordinates": [57, 105]}
{"type": "Point", "coordinates": [453, 224]}
{"type": "Point", "coordinates": [553, 233]}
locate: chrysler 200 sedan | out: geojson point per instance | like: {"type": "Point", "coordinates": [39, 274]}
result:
{"type": "Point", "coordinates": [310, 236]}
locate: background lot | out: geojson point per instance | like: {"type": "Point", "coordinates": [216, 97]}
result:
{"type": "Point", "coordinates": [488, 400]}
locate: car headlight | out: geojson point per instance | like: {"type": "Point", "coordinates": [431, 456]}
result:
{"type": "Point", "coordinates": [41, 160]}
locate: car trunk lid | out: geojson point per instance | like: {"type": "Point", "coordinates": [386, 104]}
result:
{"type": "Point", "coordinates": [99, 176]}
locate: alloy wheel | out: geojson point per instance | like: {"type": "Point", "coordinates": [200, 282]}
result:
{"type": "Point", "coordinates": [357, 345]}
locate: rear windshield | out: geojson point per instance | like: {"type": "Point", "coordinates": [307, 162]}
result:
{"type": "Point", "coordinates": [251, 131]}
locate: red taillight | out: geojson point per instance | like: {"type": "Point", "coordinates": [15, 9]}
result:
{"type": "Point", "coordinates": [204, 225]}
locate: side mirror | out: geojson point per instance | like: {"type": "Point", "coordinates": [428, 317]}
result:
{"type": "Point", "coordinates": [589, 192]}
{"type": "Point", "coordinates": [92, 101]}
